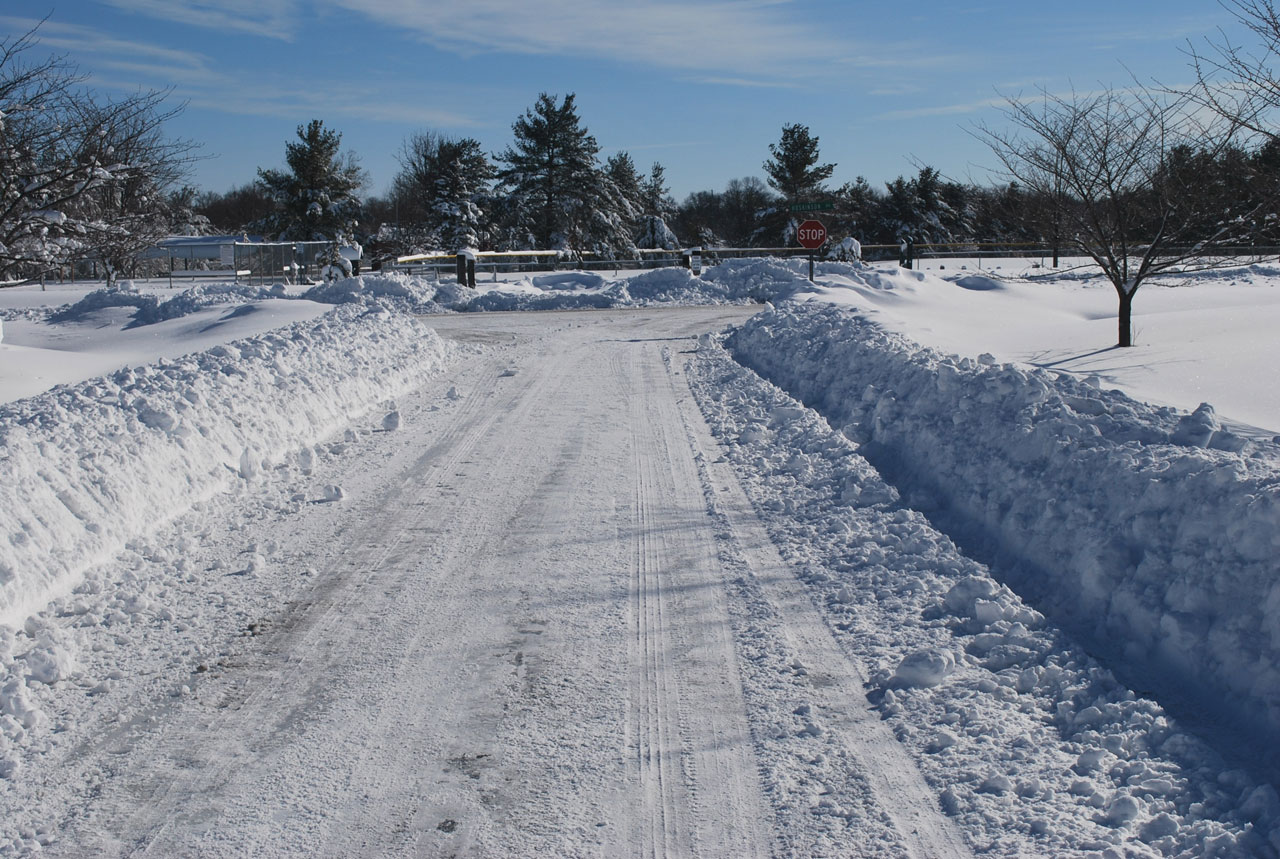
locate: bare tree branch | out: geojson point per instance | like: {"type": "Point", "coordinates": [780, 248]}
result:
{"type": "Point", "coordinates": [76, 169]}
{"type": "Point", "coordinates": [1113, 163]}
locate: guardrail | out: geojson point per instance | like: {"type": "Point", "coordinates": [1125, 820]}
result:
{"type": "Point", "coordinates": [905, 253]}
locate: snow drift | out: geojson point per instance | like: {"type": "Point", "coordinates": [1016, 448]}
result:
{"type": "Point", "coordinates": [1150, 533]}
{"type": "Point", "coordinates": [85, 468]}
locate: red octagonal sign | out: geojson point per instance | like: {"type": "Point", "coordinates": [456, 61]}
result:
{"type": "Point", "coordinates": [811, 234]}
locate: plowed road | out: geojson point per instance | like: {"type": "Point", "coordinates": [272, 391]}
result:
{"type": "Point", "coordinates": [523, 638]}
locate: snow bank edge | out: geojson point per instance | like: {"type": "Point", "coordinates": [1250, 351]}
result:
{"type": "Point", "coordinates": [86, 468]}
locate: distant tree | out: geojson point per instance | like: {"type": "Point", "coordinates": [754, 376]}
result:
{"type": "Point", "coordinates": [744, 205]}
{"type": "Point", "coordinates": [552, 172]}
{"type": "Point", "coordinates": [235, 210]}
{"type": "Point", "coordinates": [700, 216]}
{"type": "Point", "coordinates": [657, 209]}
{"type": "Point", "coordinates": [1008, 213]}
{"type": "Point", "coordinates": [1103, 158]}
{"type": "Point", "coordinates": [184, 219]}
{"type": "Point", "coordinates": [377, 228]}
{"type": "Point", "coordinates": [857, 211]}
{"type": "Point", "coordinates": [444, 181]}
{"type": "Point", "coordinates": [793, 168]}
{"type": "Point", "coordinates": [656, 195]}
{"type": "Point", "coordinates": [926, 208]}
{"type": "Point", "coordinates": [77, 172]}
{"type": "Point", "coordinates": [316, 199]}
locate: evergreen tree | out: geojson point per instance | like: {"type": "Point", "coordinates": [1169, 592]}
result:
{"type": "Point", "coordinates": [552, 173]}
{"type": "Point", "coordinates": [926, 208]}
{"type": "Point", "coordinates": [657, 199]}
{"type": "Point", "coordinates": [656, 207]}
{"type": "Point", "coordinates": [794, 169]}
{"type": "Point", "coordinates": [621, 171]}
{"type": "Point", "coordinates": [444, 182]}
{"type": "Point", "coordinates": [700, 218]}
{"type": "Point", "coordinates": [184, 220]}
{"type": "Point", "coordinates": [316, 198]}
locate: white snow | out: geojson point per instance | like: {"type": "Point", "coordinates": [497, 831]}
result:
{"type": "Point", "coordinates": [1051, 562]}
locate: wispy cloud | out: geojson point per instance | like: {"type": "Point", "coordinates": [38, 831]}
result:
{"type": "Point", "coordinates": [728, 36]}
{"type": "Point", "coordinates": [273, 19]}
{"type": "Point", "coordinates": [332, 103]}
{"type": "Point", "coordinates": [746, 82]}
{"type": "Point", "coordinates": [1156, 30]}
{"type": "Point", "coordinates": [123, 64]}
{"type": "Point", "coordinates": [751, 43]}
{"type": "Point", "coordinates": [944, 109]}
{"type": "Point", "coordinates": [87, 42]}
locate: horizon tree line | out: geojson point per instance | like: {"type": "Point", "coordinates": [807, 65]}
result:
{"type": "Point", "coordinates": [1142, 180]}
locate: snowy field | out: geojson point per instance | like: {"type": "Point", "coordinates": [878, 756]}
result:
{"type": "Point", "coordinates": [909, 563]}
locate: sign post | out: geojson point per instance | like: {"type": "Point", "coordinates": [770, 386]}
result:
{"type": "Point", "coordinates": [812, 235]}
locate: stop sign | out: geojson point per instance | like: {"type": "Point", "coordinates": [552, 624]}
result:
{"type": "Point", "coordinates": [811, 234]}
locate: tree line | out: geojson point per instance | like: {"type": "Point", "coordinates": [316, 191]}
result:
{"type": "Point", "coordinates": [549, 190]}
{"type": "Point", "coordinates": [1140, 179]}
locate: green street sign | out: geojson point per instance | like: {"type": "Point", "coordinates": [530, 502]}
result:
{"type": "Point", "coordinates": [819, 206]}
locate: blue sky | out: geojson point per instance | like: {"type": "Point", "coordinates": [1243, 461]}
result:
{"type": "Point", "coordinates": [702, 87]}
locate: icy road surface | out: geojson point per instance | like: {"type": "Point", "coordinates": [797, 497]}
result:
{"type": "Point", "coordinates": [523, 631]}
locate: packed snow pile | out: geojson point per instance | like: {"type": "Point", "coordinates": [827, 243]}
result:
{"type": "Point", "coordinates": [85, 468]}
{"type": "Point", "coordinates": [612, 296]}
{"type": "Point", "coordinates": [730, 282]}
{"type": "Point", "coordinates": [150, 309]}
{"type": "Point", "coordinates": [1030, 744]}
{"type": "Point", "coordinates": [414, 292]}
{"type": "Point", "coordinates": [1153, 534]}
{"type": "Point", "coordinates": [569, 280]}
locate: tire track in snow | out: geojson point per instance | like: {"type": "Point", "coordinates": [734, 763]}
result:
{"type": "Point", "coordinates": [693, 740]}
{"type": "Point", "coordinates": [654, 694]}
{"type": "Point", "coordinates": [258, 710]}
{"type": "Point", "coordinates": [837, 690]}
{"type": "Point", "coordinates": [463, 658]}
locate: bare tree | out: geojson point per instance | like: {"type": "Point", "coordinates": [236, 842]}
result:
{"type": "Point", "coordinates": [1235, 82]}
{"type": "Point", "coordinates": [128, 209]}
{"type": "Point", "coordinates": [77, 172]}
{"type": "Point", "coordinates": [1104, 159]}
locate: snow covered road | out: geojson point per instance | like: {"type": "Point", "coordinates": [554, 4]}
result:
{"type": "Point", "coordinates": [519, 640]}
{"type": "Point", "coordinates": [593, 589]}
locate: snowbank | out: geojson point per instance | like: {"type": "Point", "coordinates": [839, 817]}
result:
{"type": "Point", "coordinates": [569, 280]}
{"type": "Point", "coordinates": [730, 282]}
{"type": "Point", "coordinates": [86, 468]}
{"type": "Point", "coordinates": [1031, 746]}
{"type": "Point", "coordinates": [1151, 533]}
{"type": "Point", "coordinates": [150, 309]}
{"type": "Point", "coordinates": [414, 291]}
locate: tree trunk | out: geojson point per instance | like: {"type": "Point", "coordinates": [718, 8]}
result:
{"type": "Point", "coordinates": [1126, 319]}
